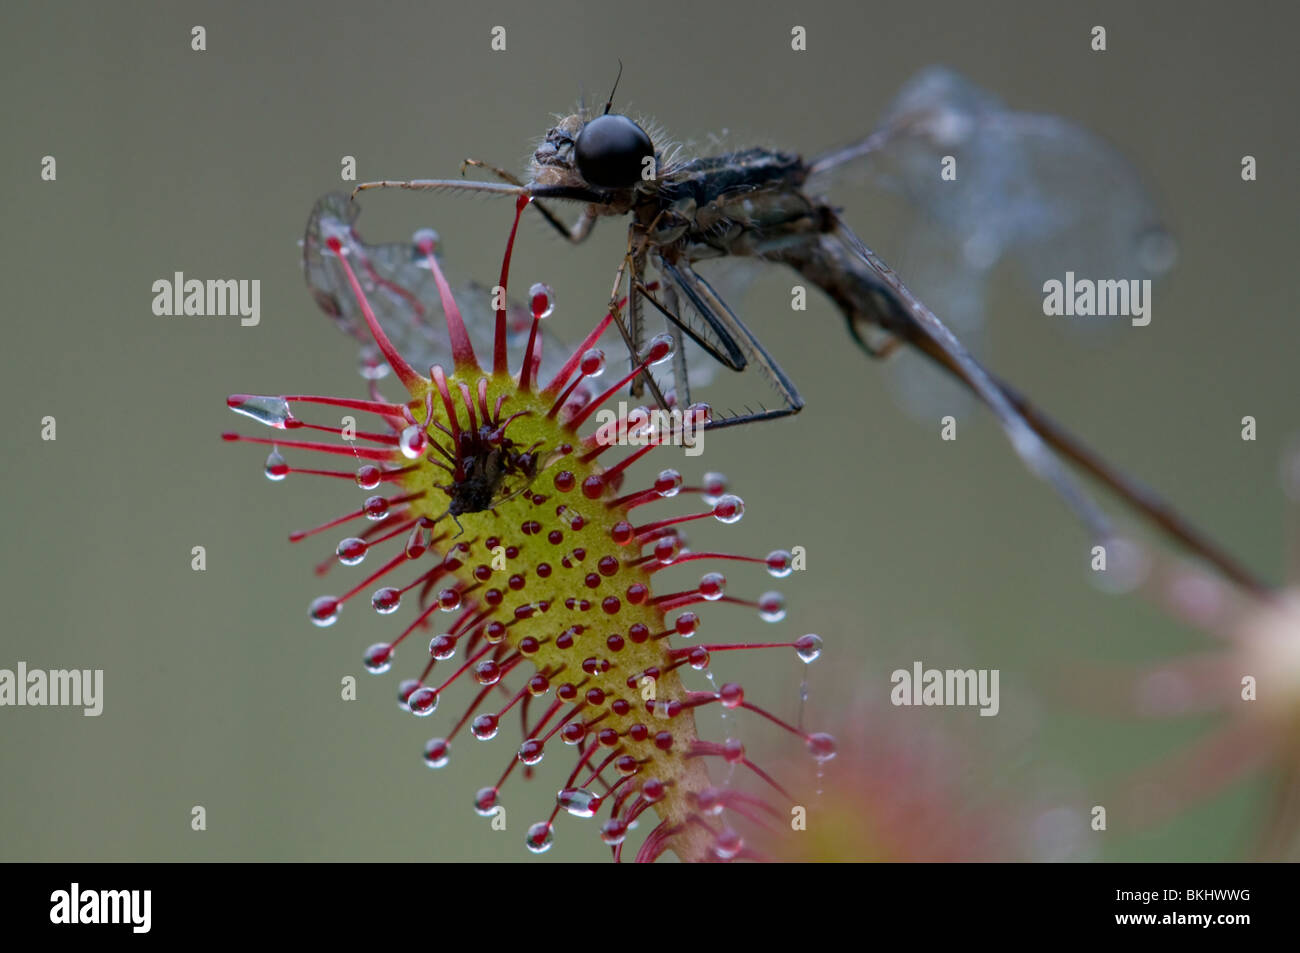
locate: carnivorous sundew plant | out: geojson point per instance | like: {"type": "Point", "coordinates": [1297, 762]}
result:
{"type": "Point", "coordinates": [530, 567]}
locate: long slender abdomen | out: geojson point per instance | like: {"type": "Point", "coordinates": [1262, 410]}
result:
{"type": "Point", "coordinates": [862, 298]}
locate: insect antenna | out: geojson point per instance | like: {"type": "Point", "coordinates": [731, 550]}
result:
{"type": "Point", "coordinates": [609, 103]}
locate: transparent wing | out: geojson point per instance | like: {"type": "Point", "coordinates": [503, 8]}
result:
{"type": "Point", "coordinates": [1037, 190]}
{"type": "Point", "coordinates": [954, 288]}
{"type": "Point", "coordinates": [401, 290]}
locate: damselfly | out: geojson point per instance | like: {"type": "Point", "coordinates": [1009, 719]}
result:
{"type": "Point", "coordinates": [1022, 182]}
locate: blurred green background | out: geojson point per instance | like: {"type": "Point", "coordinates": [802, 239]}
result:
{"type": "Point", "coordinates": [218, 691]}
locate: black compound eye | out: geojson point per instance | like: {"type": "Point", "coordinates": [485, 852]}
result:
{"type": "Point", "coordinates": [611, 151]}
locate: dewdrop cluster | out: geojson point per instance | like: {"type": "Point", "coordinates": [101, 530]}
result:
{"type": "Point", "coordinates": [527, 568]}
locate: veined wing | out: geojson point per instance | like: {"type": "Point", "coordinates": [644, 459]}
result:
{"type": "Point", "coordinates": [693, 288]}
{"type": "Point", "coordinates": [1038, 190]}
{"type": "Point", "coordinates": [401, 290]}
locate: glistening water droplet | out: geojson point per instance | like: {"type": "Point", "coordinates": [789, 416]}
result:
{"type": "Point", "coordinates": [668, 482]}
{"type": "Point", "coordinates": [352, 551]}
{"type": "Point", "coordinates": [660, 349]}
{"type": "Point", "coordinates": [485, 727]}
{"type": "Point", "coordinates": [808, 647]}
{"type": "Point", "coordinates": [272, 411]}
{"type": "Point", "coordinates": [592, 363]}
{"type": "Point", "coordinates": [423, 701]}
{"type": "Point", "coordinates": [613, 832]}
{"type": "Point", "coordinates": [713, 586]}
{"type": "Point", "coordinates": [425, 240]}
{"type": "Point", "coordinates": [779, 563]}
{"type": "Point", "coordinates": [531, 752]}
{"type": "Point", "coordinates": [821, 746]}
{"type": "Point", "coordinates": [542, 300]}
{"type": "Point", "coordinates": [485, 801]}
{"type": "Point", "coordinates": [714, 486]}
{"type": "Point", "coordinates": [442, 647]}
{"type": "Point", "coordinates": [540, 837]}
{"type": "Point", "coordinates": [437, 752]}
{"type": "Point", "coordinates": [412, 442]}
{"type": "Point", "coordinates": [386, 600]}
{"type": "Point", "coordinates": [378, 658]}
{"type": "Point", "coordinates": [771, 607]}
{"type": "Point", "coordinates": [578, 802]}
{"type": "Point", "coordinates": [325, 610]}
{"type": "Point", "coordinates": [276, 468]}
{"type": "Point", "coordinates": [728, 845]}
{"type": "Point", "coordinates": [729, 508]}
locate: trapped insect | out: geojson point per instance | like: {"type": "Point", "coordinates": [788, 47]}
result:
{"type": "Point", "coordinates": [1036, 187]}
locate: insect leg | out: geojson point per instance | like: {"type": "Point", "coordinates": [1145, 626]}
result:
{"type": "Point", "coordinates": [580, 230]}
{"type": "Point", "coordinates": [881, 349]}
{"type": "Point", "coordinates": [614, 312]}
{"type": "Point", "coordinates": [442, 185]}
{"type": "Point", "coordinates": [677, 328]}
{"type": "Point", "coordinates": [501, 174]}
{"type": "Point", "coordinates": [669, 309]}
{"type": "Point", "coordinates": [577, 233]}
{"type": "Point", "coordinates": [634, 324]}
{"type": "Point", "coordinates": [732, 357]}
{"type": "Point", "coordinates": [707, 301]}
{"type": "Point", "coordinates": [911, 124]}
{"type": "Point", "coordinates": [681, 380]}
